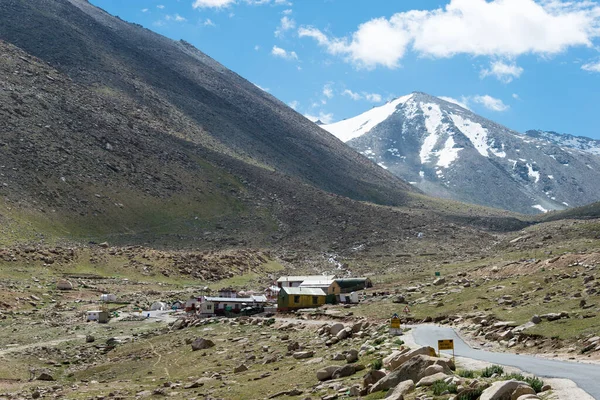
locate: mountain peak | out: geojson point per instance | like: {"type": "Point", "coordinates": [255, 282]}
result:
{"type": "Point", "coordinates": [446, 150]}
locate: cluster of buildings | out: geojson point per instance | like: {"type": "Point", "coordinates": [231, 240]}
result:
{"type": "Point", "coordinates": [295, 292]}
{"type": "Point", "coordinates": [288, 293]}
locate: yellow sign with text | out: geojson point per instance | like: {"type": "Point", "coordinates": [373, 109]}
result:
{"type": "Point", "coordinates": [395, 323]}
{"type": "Point", "coordinates": [446, 344]}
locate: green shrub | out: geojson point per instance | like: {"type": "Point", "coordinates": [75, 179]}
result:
{"type": "Point", "coordinates": [440, 387]}
{"type": "Point", "coordinates": [465, 373]}
{"type": "Point", "coordinates": [377, 364]}
{"type": "Point", "coordinates": [398, 342]}
{"type": "Point", "coordinates": [535, 383]}
{"type": "Point", "coordinates": [489, 371]}
{"type": "Point", "coordinates": [471, 395]}
{"type": "Point", "coordinates": [378, 341]}
{"type": "Point", "coordinates": [515, 376]}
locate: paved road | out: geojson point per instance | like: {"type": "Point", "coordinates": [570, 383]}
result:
{"type": "Point", "coordinates": [586, 376]}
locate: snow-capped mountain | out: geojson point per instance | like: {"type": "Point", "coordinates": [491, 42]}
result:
{"type": "Point", "coordinates": [448, 151]}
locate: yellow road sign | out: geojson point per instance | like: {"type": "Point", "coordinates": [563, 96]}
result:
{"type": "Point", "coordinates": [446, 344]}
{"type": "Point", "coordinates": [395, 323]}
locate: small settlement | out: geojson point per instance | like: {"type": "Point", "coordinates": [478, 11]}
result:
{"type": "Point", "coordinates": [288, 293]}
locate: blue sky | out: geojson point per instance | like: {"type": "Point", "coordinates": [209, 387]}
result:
{"type": "Point", "coordinates": [523, 63]}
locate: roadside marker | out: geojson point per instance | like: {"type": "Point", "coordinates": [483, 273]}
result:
{"type": "Point", "coordinates": [395, 325]}
{"type": "Point", "coordinates": [406, 310]}
{"type": "Point", "coordinates": [447, 344]}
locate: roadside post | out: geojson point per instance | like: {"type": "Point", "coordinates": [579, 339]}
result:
{"type": "Point", "coordinates": [395, 325]}
{"type": "Point", "coordinates": [446, 344]}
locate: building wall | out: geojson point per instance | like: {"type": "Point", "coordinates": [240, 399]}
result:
{"type": "Point", "coordinates": [291, 302]}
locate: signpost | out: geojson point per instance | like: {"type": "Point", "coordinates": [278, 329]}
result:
{"type": "Point", "coordinates": [406, 310]}
{"type": "Point", "coordinates": [395, 329]}
{"type": "Point", "coordinates": [447, 344]}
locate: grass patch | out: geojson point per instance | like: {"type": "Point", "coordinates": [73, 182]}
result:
{"type": "Point", "coordinates": [441, 387]}
{"type": "Point", "coordinates": [465, 373]}
{"type": "Point", "coordinates": [491, 370]}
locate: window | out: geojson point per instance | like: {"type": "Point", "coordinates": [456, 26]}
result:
{"type": "Point", "coordinates": [296, 299]}
{"type": "Point", "coordinates": [315, 300]}
{"type": "Point", "coordinates": [209, 306]}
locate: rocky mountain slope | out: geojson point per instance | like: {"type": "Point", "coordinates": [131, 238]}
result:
{"type": "Point", "coordinates": [111, 132]}
{"type": "Point", "coordinates": [448, 151]}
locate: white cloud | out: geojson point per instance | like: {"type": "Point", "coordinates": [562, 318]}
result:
{"type": "Point", "coordinates": [212, 3]}
{"type": "Point", "coordinates": [490, 103]}
{"type": "Point", "coordinates": [515, 96]}
{"type": "Point", "coordinates": [294, 104]}
{"type": "Point", "coordinates": [502, 71]}
{"type": "Point", "coordinates": [208, 22]}
{"type": "Point", "coordinates": [160, 6]}
{"type": "Point", "coordinates": [328, 91]}
{"type": "Point", "coordinates": [351, 94]}
{"type": "Point", "coordinates": [282, 53]}
{"type": "Point", "coordinates": [257, 48]}
{"type": "Point", "coordinates": [176, 18]}
{"type": "Point", "coordinates": [497, 28]}
{"type": "Point", "coordinates": [325, 118]}
{"type": "Point", "coordinates": [287, 12]}
{"type": "Point", "coordinates": [144, 10]}
{"type": "Point", "coordinates": [285, 24]}
{"type": "Point", "coordinates": [591, 67]}
{"type": "Point", "coordinates": [373, 97]}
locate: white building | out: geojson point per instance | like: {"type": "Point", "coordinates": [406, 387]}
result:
{"type": "Point", "coordinates": [296, 281]}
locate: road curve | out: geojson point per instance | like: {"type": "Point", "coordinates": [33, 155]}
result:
{"type": "Point", "coordinates": [586, 376]}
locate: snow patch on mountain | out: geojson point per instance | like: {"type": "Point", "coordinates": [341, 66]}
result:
{"type": "Point", "coordinates": [476, 133]}
{"type": "Point", "coordinates": [352, 128]}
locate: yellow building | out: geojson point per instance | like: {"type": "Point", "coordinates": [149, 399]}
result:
{"type": "Point", "coordinates": [329, 286]}
{"type": "Point", "coordinates": [292, 298]}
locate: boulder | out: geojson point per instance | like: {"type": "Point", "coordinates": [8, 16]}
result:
{"type": "Point", "coordinates": [414, 368]}
{"type": "Point", "coordinates": [432, 370]}
{"type": "Point", "coordinates": [536, 319]}
{"type": "Point", "coordinates": [240, 368]}
{"type": "Point", "coordinates": [335, 328]}
{"type": "Point", "coordinates": [326, 373]}
{"type": "Point", "coordinates": [501, 390]}
{"type": "Point", "coordinates": [389, 381]}
{"type": "Point", "coordinates": [299, 355]}
{"type": "Point", "coordinates": [372, 377]}
{"type": "Point", "coordinates": [202, 344]}
{"type": "Point", "coordinates": [522, 390]}
{"type": "Point", "coordinates": [90, 339]}
{"type": "Point", "coordinates": [431, 379]}
{"type": "Point", "coordinates": [352, 356]}
{"type": "Point", "coordinates": [400, 390]}
{"type": "Point", "coordinates": [344, 333]}
{"type": "Point", "coordinates": [528, 397]}
{"type": "Point", "coordinates": [338, 357]}
{"type": "Point", "coordinates": [346, 370]}
{"type": "Point", "coordinates": [395, 360]}
{"type": "Point", "coordinates": [439, 281]}
{"type": "Point", "coordinates": [44, 376]}
{"type": "Point", "coordinates": [546, 387]}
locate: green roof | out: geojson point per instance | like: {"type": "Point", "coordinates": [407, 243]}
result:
{"type": "Point", "coordinates": [351, 282]}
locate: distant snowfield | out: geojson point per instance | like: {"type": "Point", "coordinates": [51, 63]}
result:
{"type": "Point", "coordinates": [351, 128]}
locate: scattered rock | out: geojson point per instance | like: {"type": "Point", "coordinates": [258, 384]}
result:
{"type": "Point", "coordinates": [202, 344]}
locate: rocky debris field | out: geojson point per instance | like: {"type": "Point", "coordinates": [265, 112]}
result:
{"type": "Point", "coordinates": [256, 358]}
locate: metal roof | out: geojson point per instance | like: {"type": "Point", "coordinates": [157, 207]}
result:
{"type": "Point", "coordinates": [351, 282]}
{"type": "Point", "coordinates": [305, 278]}
{"type": "Point", "coordinates": [255, 299]}
{"type": "Point", "coordinates": [316, 284]}
{"type": "Point", "coordinates": [303, 290]}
